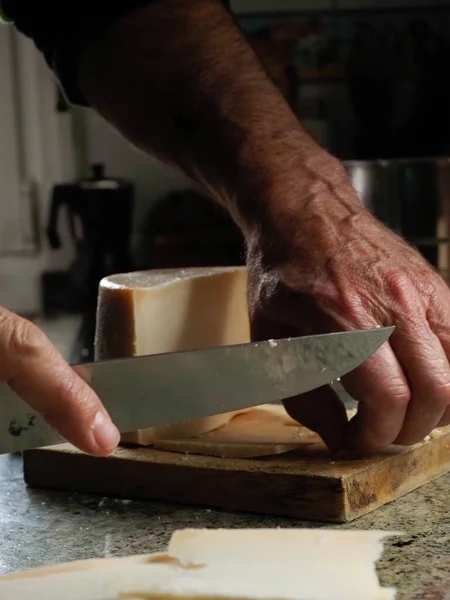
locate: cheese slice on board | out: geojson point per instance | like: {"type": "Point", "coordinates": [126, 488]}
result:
{"type": "Point", "coordinates": [237, 564]}
{"type": "Point", "coordinates": [261, 431]}
{"type": "Point", "coordinates": [178, 431]}
{"type": "Point", "coordinates": [151, 312]}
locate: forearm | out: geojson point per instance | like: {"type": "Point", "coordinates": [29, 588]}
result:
{"type": "Point", "coordinates": [178, 79]}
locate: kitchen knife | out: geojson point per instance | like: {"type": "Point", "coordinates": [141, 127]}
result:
{"type": "Point", "coordinates": [161, 389]}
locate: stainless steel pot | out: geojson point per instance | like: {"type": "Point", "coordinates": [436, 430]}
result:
{"type": "Point", "coordinates": [412, 196]}
{"type": "Point", "coordinates": [375, 184]}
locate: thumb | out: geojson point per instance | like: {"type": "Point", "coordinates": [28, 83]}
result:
{"type": "Point", "coordinates": [322, 411]}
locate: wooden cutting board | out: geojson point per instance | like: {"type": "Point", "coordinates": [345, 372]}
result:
{"type": "Point", "coordinates": [305, 484]}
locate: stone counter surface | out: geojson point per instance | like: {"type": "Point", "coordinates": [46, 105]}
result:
{"type": "Point", "coordinates": [39, 527]}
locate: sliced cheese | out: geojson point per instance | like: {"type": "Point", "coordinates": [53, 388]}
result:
{"type": "Point", "coordinates": [261, 431]}
{"type": "Point", "coordinates": [179, 431]}
{"type": "Point", "coordinates": [84, 565]}
{"type": "Point", "coordinates": [238, 564]}
{"type": "Point", "coordinates": [150, 312]}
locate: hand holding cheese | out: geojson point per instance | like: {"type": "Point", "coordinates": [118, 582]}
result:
{"type": "Point", "coordinates": [34, 368]}
{"type": "Point", "coordinates": [180, 81]}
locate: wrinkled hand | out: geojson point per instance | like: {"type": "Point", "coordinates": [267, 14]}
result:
{"type": "Point", "coordinates": [31, 365]}
{"type": "Point", "coordinates": [335, 267]}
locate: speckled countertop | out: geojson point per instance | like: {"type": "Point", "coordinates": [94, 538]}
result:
{"type": "Point", "coordinates": [39, 527]}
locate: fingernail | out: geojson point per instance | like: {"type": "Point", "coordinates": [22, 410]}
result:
{"type": "Point", "coordinates": [106, 434]}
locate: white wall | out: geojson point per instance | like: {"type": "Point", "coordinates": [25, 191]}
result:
{"type": "Point", "coordinates": [152, 178]}
{"type": "Point", "coordinates": [35, 152]}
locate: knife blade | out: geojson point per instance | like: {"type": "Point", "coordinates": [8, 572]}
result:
{"type": "Point", "coordinates": [162, 389]}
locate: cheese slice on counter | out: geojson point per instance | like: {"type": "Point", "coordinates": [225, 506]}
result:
{"type": "Point", "coordinates": [151, 312]}
{"type": "Point", "coordinates": [237, 564]}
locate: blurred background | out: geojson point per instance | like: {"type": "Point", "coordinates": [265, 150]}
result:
{"type": "Point", "coordinates": [369, 79]}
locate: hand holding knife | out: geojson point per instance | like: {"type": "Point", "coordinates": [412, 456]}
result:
{"type": "Point", "coordinates": [162, 389]}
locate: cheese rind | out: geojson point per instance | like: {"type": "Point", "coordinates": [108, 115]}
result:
{"type": "Point", "coordinates": [151, 312]}
{"type": "Point", "coordinates": [237, 564]}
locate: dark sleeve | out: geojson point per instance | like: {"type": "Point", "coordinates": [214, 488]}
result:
{"type": "Point", "coordinates": [59, 28]}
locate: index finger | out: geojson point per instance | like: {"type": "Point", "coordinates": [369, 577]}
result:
{"type": "Point", "coordinates": [36, 371]}
{"type": "Point", "coordinates": [382, 390]}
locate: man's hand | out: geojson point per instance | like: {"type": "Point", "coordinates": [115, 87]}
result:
{"type": "Point", "coordinates": [179, 80]}
{"type": "Point", "coordinates": [334, 267]}
{"type": "Point", "coordinates": [39, 374]}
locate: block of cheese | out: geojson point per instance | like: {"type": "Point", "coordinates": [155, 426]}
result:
{"type": "Point", "coordinates": [151, 312]}
{"type": "Point", "coordinates": [261, 431]}
{"type": "Point", "coordinates": [238, 564]}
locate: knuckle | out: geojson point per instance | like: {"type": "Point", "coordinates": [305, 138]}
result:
{"type": "Point", "coordinates": [25, 339]}
{"type": "Point", "coordinates": [380, 387]}
{"type": "Point", "coordinates": [430, 284]}
{"type": "Point", "coordinates": [437, 398]}
{"type": "Point", "coordinates": [398, 398]}
{"type": "Point", "coordinates": [400, 287]}
{"type": "Point", "coordinates": [381, 392]}
{"type": "Point", "coordinates": [77, 402]}
{"type": "Point", "coordinates": [410, 306]}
